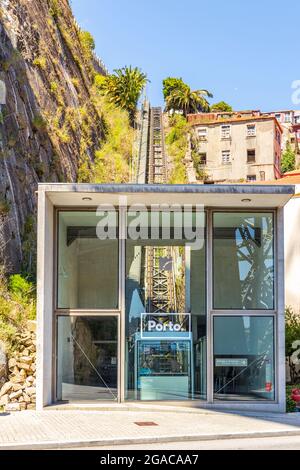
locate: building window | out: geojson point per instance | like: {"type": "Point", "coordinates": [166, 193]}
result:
{"type": "Point", "coordinates": [251, 130]}
{"type": "Point", "coordinates": [251, 178]}
{"type": "Point", "coordinates": [244, 358]}
{"type": "Point", "coordinates": [202, 133]}
{"type": "Point", "coordinates": [225, 132]}
{"type": "Point", "coordinates": [165, 279]}
{"type": "Point", "coordinates": [202, 158]}
{"type": "Point", "coordinates": [226, 157]}
{"type": "Point", "coordinates": [251, 156]}
{"type": "Point", "coordinates": [82, 281]}
{"type": "Point", "coordinates": [87, 358]}
{"type": "Point", "coordinates": [243, 247]}
{"type": "Point", "coordinates": [278, 117]}
{"type": "Point", "coordinates": [287, 117]}
{"type": "Point", "coordinates": [262, 175]}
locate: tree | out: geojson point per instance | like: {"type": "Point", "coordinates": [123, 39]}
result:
{"type": "Point", "coordinates": [221, 106]}
{"type": "Point", "coordinates": [288, 159]}
{"type": "Point", "coordinates": [124, 88]}
{"type": "Point", "coordinates": [185, 100]}
{"type": "Point", "coordinates": [170, 84]}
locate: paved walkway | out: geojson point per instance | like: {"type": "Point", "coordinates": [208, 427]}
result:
{"type": "Point", "coordinates": [76, 428]}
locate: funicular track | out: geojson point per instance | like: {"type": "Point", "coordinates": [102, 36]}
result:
{"type": "Point", "coordinates": [159, 270]}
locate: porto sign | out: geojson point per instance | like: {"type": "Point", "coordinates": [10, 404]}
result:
{"type": "Point", "coordinates": [165, 325]}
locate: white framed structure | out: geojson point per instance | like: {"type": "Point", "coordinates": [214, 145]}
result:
{"type": "Point", "coordinates": [93, 292]}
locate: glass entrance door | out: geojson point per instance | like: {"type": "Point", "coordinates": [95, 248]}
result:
{"type": "Point", "coordinates": [87, 358]}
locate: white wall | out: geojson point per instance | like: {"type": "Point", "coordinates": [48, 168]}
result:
{"type": "Point", "coordinates": [292, 252]}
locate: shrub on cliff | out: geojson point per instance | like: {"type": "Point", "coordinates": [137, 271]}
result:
{"type": "Point", "coordinates": [17, 305]}
{"type": "Point", "coordinates": [177, 141]}
{"type": "Point", "coordinates": [87, 43]}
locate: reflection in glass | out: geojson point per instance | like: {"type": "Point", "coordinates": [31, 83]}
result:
{"type": "Point", "coordinates": [165, 275]}
{"type": "Point", "coordinates": [87, 352]}
{"type": "Point", "coordinates": [244, 358]}
{"type": "Point", "coordinates": [159, 363]}
{"type": "Point", "coordinates": [87, 266]}
{"type": "Point", "coordinates": [243, 261]}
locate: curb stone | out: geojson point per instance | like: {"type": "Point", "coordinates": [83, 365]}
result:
{"type": "Point", "coordinates": [144, 440]}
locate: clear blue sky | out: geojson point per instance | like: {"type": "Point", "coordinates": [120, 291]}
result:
{"type": "Point", "coordinates": [245, 52]}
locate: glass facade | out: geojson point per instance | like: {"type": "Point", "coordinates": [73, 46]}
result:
{"type": "Point", "coordinates": [243, 261]}
{"type": "Point", "coordinates": [244, 358]}
{"type": "Point", "coordinates": [171, 294]}
{"type": "Point", "coordinates": [87, 358]}
{"type": "Point", "coordinates": [88, 270]}
{"type": "Point", "coordinates": [165, 312]}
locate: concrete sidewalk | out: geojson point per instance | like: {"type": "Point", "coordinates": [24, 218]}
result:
{"type": "Point", "coordinates": [63, 428]}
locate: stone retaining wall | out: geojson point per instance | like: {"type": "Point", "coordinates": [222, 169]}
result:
{"type": "Point", "coordinates": [19, 389]}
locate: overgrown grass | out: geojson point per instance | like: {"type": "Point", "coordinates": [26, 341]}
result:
{"type": "Point", "coordinates": [87, 43]}
{"type": "Point", "coordinates": [39, 123]}
{"type": "Point", "coordinates": [176, 140]}
{"type": "Point", "coordinates": [40, 62]}
{"type": "Point", "coordinates": [17, 306]}
{"type": "Point", "coordinates": [112, 160]}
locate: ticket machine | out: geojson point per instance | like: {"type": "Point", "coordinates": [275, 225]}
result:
{"type": "Point", "coordinates": [163, 358]}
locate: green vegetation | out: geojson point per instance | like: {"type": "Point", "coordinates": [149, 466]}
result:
{"type": "Point", "coordinates": [56, 91]}
{"type": "Point", "coordinates": [39, 123]}
{"type": "Point", "coordinates": [198, 165]}
{"type": "Point", "coordinates": [55, 10]}
{"type": "Point", "coordinates": [123, 88]}
{"type": "Point", "coordinates": [292, 334]}
{"type": "Point", "coordinates": [113, 158]}
{"type": "Point", "coordinates": [221, 106]}
{"type": "Point", "coordinates": [53, 87]}
{"type": "Point", "coordinates": [87, 43]}
{"type": "Point", "coordinates": [170, 84]}
{"type": "Point", "coordinates": [4, 206]}
{"type": "Point", "coordinates": [288, 159]}
{"type": "Point", "coordinates": [178, 137]}
{"type": "Point", "coordinates": [40, 62]}
{"type": "Point", "coordinates": [180, 97]}
{"type": "Point", "coordinates": [177, 141]}
{"type": "Point", "coordinates": [29, 247]}
{"type": "Point", "coordinates": [17, 306]}
{"type": "Point", "coordinates": [290, 403]}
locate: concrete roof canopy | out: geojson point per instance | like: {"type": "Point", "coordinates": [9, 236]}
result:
{"type": "Point", "coordinates": [225, 195]}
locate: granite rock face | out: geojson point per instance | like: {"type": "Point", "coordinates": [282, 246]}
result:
{"type": "Point", "coordinates": [48, 123]}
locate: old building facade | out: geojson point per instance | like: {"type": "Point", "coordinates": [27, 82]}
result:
{"type": "Point", "coordinates": [239, 146]}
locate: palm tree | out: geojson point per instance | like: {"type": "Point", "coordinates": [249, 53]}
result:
{"type": "Point", "coordinates": [124, 88]}
{"type": "Point", "coordinates": [187, 101]}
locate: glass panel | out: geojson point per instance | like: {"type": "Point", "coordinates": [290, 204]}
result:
{"type": "Point", "coordinates": [87, 358]}
{"type": "Point", "coordinates": [165, 311]}
{"type": "Point", "coordinates": [243, 261]}
{"type": "Point", "coordinates": [244, 358]}
{"type": "Point", "coordinates": [87, 265]}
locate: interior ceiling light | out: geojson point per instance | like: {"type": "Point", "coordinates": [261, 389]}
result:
{"type": "Point", "coordinates": [86, 198]}
{"type": "Point", "coordinates": [246, 200]}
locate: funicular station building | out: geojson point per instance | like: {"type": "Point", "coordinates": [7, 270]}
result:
{"type": "Point", "coordinates": [165, 293]}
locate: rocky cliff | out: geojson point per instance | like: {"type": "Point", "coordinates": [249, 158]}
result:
{"type": "Point", "coordinates": [51, 125]}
